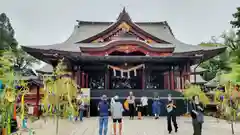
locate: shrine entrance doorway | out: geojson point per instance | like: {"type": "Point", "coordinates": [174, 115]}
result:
{"type": "Point", "coordinates": [126, 75]}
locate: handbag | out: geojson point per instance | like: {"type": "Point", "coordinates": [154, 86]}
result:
{"type": "Point", "coordinates": [200, 116]}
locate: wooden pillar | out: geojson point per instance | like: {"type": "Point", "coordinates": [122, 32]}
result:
{"type": "Point", "coordinates": [36, 108]}
{"type": "Point", "coordinates": [73, 73]}
{"type": "Point", "coordinates": [169, 79]}
{"type": "Point", "coordinates": [143, 79]}
{"type": "Point", "coordinates": [79, 76]}
{"type": "Point", "coordinates": [82, 80]}
{"type": "Point", "coordinates": [181, 79]}
{"type": "Point", "coordinates": [166, 80]}
{"type": "Point", "coordinates": [188, 71]}
{"type": "Point", "coordinates": [185, 74]}
{"type": "Point", "coordinates": [106, 80]}
{"type": "Point", "coordinates": [86, 85]}
{"type": "Point", "coordinates": [172, 78]}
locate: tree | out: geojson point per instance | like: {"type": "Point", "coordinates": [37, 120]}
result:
{"type": "Point", "coordinates": [216, 64]}
{"type": "Point", "coordinates": [9, 46]}
{"type": "Point", "coordinates": [229, 101]}
{"type": "Point", "coordinates": [236, 22]}
{"type": "Point", "coordinates": [7, 39]}
{"type": "Point", "coordinates": [231, 40]}
{"type": "Point", "coordinates": [60, 90]}
{"type": "Point", "coordinates": [23, 61]}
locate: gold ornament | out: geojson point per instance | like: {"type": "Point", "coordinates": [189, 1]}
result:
{"type": "Point", "coordinates": [124, 26]}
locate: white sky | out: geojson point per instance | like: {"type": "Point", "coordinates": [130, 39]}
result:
{"type": "Point", "coordinates": [38, 22]}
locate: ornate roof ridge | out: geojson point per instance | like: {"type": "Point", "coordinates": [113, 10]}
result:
{"type": "Point", "coordinates": [110, 22]}
{"type": "Point", "coordinates": [124, 18]}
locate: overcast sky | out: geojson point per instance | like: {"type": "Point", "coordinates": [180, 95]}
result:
{"type": "Point", "coordinates": [38, 22]}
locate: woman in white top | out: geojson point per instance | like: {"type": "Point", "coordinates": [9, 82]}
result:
{"type": "Point", "coordinates": [144, 103]}
{"type": "Point", "coordinates": [131, 104]}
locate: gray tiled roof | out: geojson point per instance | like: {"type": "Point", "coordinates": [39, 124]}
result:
{"type": "Point", "coordinates": [31, 77]}
{"type": "Point", "coordinates": [159, 30]}
{"type": "Point", "coordinates": [46, 69]}
{"type": "Point", "coordinates": [197, 70]}
{"type": "Point", "coordinates": [87, 29]}
{"type": "Point", "coordinates": [199, 79]}
{"type": "Point", "coordinates": [212, 83]}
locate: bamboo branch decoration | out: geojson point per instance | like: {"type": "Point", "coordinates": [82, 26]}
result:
{"type": "Point", "coordinates": [58, 89]}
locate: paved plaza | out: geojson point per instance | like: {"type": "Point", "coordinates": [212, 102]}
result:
{"type": "Point", "coordinates": [147, 126]}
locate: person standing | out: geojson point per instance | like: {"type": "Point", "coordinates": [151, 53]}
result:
{"type": "Point", "coordinates": [171, 116]}
{"type": "Point", "coordinates": [131, 104]}
{"type": "Point", "coordinates": [156, 107]}
{"type": "Point", "coordinates": [81, 109]}
{"type": "Point", "coordinates": [144, 102]}
{"type": "Point", "coordinates": [197, 110]}
{"type": "Point", "coordinates": [103, 108]}
{"type": "Point", "coordinates": [116, 111]}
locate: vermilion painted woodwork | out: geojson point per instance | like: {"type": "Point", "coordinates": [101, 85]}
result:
{"type": "Point", "coordinates": [86, 81]}
{"type": "Point", "coordinates": [166, 80]}
{"type": "Point", "coordinates": [143, 78]}
{"type": "Point", "coordinates": [82, 80]}
{"type": "Point", "coordinates": [172, 80]}
{"type": "Point", "coordinates": [128, 49]}
{"type": "Point", "coordinates": [117, 29]}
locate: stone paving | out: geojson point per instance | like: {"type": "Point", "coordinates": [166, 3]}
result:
{"type": "Point", "coordinates": [147, 126]}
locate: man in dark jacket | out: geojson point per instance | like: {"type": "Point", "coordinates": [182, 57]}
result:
{"type": "Point", "coordinates": [103, 109]}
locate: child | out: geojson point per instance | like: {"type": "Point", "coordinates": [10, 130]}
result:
{"type": "Point", "coordinates": [81, 109]}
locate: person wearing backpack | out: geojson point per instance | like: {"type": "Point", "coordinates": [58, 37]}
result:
{"type": "Point", "coordinates": [197, 109]}
{"type": "Point", "coordinates": [117, 114]}
{"type": "Point", "coordinates": [103, 108]}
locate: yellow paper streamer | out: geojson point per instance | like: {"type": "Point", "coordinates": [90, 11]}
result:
{"type": "Point", "coordinates": [22, 107]}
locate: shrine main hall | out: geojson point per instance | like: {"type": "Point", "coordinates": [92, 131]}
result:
{"type": "Point", "coordinates": [118, 57]}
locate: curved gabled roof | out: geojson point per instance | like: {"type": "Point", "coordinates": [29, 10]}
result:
{"type": "Point", "coordinates": [159, 30]}
{"type": "Point", "coordinates": [123, 18]}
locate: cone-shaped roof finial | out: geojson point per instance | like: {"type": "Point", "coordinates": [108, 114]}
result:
{"type": "Point", "coordinates": [124, 10]}
{"type": "Point", "coordinates": [124, 15]}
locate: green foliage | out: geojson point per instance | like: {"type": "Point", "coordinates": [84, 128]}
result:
{"type": "Point", "coordinates": [236, 22]}
{"type": "Point", "coordinates": [216, 64]}
{"type": "Point", "coordinates": [233, 76]}
{"type": "Point", "coordinates": [231, 40]}
{"type": "Point", "coordinates": [7, 39]}
{"type": "Point", "coordinates": [193, 90]}
{"type": "Point", "coordinates": [59, 91]}
{"type": "Point", "coordinates": [8, 95]}
{"type": "Point", "coordinates": [229, 80]}
{"type": "Point", "coordinates": [21, 61]}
